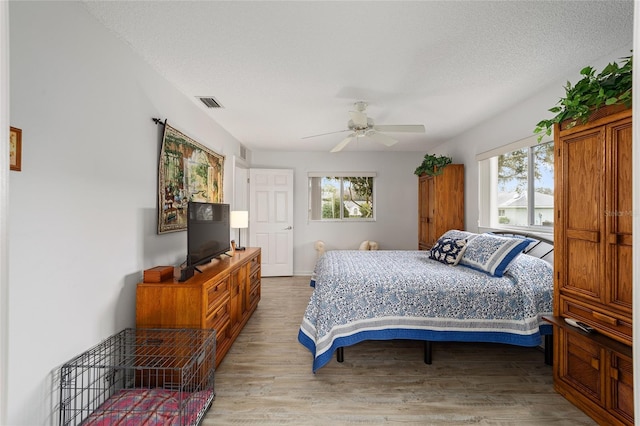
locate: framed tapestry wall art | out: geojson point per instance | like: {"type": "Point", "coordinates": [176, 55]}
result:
{"type": "Point", "coordinates": [187, 171]}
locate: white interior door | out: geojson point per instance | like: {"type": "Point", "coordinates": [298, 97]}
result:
{"type": "Point", "coordinates": [271, 219]}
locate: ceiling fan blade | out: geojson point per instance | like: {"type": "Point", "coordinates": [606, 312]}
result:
{"type": "Point", "coordinates": [323, 134]}
{"type": "Point", "coordinates": [344, 143]}
{"type": "Point", "coordinates": [411, 128]}
{"type": "Point", "coordinates": [359, 118]}
{"type": "Point", "coordinates": [382, 138]}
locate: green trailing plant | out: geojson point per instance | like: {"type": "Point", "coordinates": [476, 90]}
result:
{"type": "Point", "coordinates": [612, 86]}
{"type": "Point", "coordinates": [432, 165]}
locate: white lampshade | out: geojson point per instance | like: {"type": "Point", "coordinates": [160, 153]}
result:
{"type": "Point", "coordinates": [239, 219]}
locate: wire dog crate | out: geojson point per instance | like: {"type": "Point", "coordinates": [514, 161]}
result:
{"type": "Point", "coordinates": [141, 376]}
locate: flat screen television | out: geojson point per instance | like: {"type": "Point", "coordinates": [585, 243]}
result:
{"type": "Point", "coordinates": [208, 232]}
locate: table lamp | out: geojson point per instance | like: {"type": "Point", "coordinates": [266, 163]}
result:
{"type": "Point", "coordinates": [239, 220]}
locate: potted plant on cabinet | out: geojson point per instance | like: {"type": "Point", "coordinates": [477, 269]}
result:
{"type": "Point", "coordinates": [432, 165]}
{"type": "Point", "coordinates": [611, 88]}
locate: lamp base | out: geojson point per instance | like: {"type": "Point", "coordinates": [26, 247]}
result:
{"type": "Point", "coordinates": [240, 248]}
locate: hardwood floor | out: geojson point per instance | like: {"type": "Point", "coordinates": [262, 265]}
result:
{"type": "Point", "coordinates": [266, 378]}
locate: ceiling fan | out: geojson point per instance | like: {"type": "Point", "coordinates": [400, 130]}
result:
{"type": "Point", "coordinates": [360, 125]}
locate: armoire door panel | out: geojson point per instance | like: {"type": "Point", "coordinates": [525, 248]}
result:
{"type": "Point", "coordinates": [619, 204]}
{"type": "Point", "coordinates": [583, 264]}
{"type": "Point", "coordinates": [621, 278]}
{"type": "Point", "coordinates": [431, 211]}
{"type": "Point", "coordinates": [619, 208]}
{"type": "Point", "coordinates": [583, 182]}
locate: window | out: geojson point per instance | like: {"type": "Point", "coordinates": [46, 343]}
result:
{"type": "Point", "coordinates": [341, 196]}
{"type": "Point", "coordinates": [516, 185]}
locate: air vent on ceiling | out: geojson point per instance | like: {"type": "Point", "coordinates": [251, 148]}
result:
{"type": "Point", "coordinates": [210, 102]}
{"type": "Point", "coordinates": [243, 152]}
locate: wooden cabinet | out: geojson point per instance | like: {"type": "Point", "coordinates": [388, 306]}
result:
{"type": "Point", "coordinates": [593, 266]}
{"type": "Point", "coordinates": [595, 373]}
{"type": "Point", "coordinates": [222, 297]}
{"type": "Point", "coordinates": [440, 204]}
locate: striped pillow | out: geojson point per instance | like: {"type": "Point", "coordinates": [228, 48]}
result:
{"type": "Point", "coordinates": [492, 254]}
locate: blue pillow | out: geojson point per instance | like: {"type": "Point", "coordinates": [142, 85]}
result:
{"type": "Point", "coordinates": [448, 250]}
{"type": "Point", "coordinates": [492, 254]}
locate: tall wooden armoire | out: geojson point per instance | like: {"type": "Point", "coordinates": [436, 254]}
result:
{"type": "Point", "coordinates": [593, 267]}
{"type": "Point", "coordinates": [440, 204]}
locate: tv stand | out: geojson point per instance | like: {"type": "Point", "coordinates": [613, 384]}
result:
{"type": "Point", "coordinates": [223, 297]}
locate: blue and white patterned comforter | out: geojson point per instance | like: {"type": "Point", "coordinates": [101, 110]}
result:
{"type": "Point", "coordinates": [382, 295]}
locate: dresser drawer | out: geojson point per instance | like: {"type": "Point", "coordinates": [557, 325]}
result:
{"type": "Point", "coordinates": [255, 263]}
{"type": "Point", "coordinates": [219, 318]}
{"type": "Point", "coordinates": [224, 340]}
{"type": "Point", "coordinates": [215, 294]}
{"type": "Point", "coordinates": [254, 297]}
{"type": "Point", "coordinates": [615, 327]}
{"type": "Point", "coordinates": [254, 280]}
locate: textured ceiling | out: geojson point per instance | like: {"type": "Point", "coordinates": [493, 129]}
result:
{"type": "Point", "coordinates": [286, 70]}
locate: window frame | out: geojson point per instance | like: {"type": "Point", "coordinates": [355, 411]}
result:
{"type": "Point", "coordinates": [487, 162]}
{"type": "Point", "coordinates": [314, 203]}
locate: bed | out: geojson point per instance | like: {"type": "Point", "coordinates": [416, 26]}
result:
{"type": "Point", "coordinates": [473, 288]}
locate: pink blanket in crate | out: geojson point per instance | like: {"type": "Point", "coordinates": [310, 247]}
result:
{"type": "Point", "coordinates": [150, 407]}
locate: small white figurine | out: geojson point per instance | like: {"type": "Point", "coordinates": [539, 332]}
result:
{"type": "Point", "coordinates": [319, 246]}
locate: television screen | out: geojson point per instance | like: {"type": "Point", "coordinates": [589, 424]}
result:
{"type": "Point", "coordinates": [208, 231]}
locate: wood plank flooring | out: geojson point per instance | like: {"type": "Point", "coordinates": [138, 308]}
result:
{"type": "Point", "coordinates": [266, 378]}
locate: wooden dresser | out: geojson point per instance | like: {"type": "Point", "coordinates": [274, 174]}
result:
{"type": "Point", "coordinates": [222, 297]}
{"type": "Point", "coordinates": [440, 204]}
{"type": "Point", "coordinates": [593, 267]}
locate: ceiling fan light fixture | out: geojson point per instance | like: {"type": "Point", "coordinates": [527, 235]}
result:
{"type": "Point", "coordinates": [361, 125]}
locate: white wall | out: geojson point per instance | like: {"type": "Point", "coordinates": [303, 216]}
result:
{"type": "Point", "coordinates": [82, 213]}
{"type": "Point", "coordinates": [396, 204]}
{"type": "Point", "coordinates": [515, 123]}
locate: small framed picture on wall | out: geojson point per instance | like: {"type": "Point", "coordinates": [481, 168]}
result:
{"type": "Point", "coordinates": [15, 148]}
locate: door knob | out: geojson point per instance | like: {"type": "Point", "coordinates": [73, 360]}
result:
{"type": "Point", "coordinates": [288, 227]}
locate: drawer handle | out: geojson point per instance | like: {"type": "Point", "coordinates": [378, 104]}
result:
{"type": "Point", "coordinates": [604, 318]}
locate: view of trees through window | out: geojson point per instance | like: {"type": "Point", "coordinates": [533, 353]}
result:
{"type": "Point", "coordinates": [525, 186]}
{"type": "Point", "coordinates": [343, 197]}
